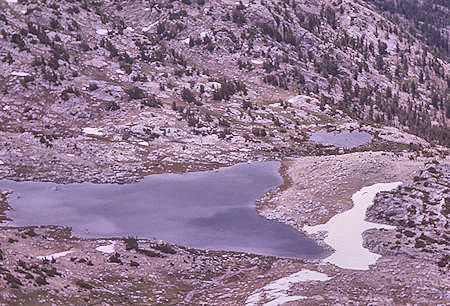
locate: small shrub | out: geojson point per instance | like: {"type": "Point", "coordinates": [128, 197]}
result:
{"type": "Point", "coordinates": [419, 244]}
{"type": "Point", "coordinates": [151, 101]}
{"type": "Point", "coordinates": [409, 233]}
{"type": "Point", "coordinates": [30, 232]}
{"type": "Point", "coordinates": [131, 243]}
{"type": "Point", "coordinates": [165, 248]}
{"type": "Point", "coordinates": [187, 95]}
{"type": "Point", "coordinates": [82, 284]}
{"type": "Point", "coordinates": [51, 272]}
{"type": "Point", "coordinates": [13, 281]}
{"type": "Point", "coordinates": [149, 253]}
{"type": "Point", "coordinates": [112, 106]}
{"type": "Point", "coordinates": [41, 281]}
{"type": "Point", "coordinates": [238, 16]}
{"type": "Point", "coordinates": [259, 132]}
{"type": "Point", "coordinates": [92, 87]}
{"type": "Point", "coordinates": [115, 258]}
{"type": "Point", "coordinates": [135, 93]}
{"type": "Point", "coordinates": [443, 261]}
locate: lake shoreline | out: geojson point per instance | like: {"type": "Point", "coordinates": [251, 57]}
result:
{"type": "Point", "coordinates": [193, 209]}
{"type": "Point", "coordinates": [192, 275]}
{"type": "Point", "coordinates": [320, 189]}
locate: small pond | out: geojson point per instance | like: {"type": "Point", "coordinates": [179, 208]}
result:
{"type": "Point", "coordinates": [344, 139]}
{"type": "Point", "coordinates": [207, 210]}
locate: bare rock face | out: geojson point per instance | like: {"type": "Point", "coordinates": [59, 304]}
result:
{"type": "Point", "coordinates": [420, 211]}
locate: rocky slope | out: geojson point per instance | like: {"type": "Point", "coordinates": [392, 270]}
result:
{"type": "Point", "coordinates": [414, 251]}
{"type": "Point", "coordinates": [211, 82]}
{"type": "Point", "coordinates": [429, 20]}
{"type": "Point", "coordinates": [420, 211]}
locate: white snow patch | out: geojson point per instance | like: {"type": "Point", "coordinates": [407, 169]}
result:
{"type": "Point", "coordinates": [203, 34]}
{"type": "Point", "coordinates": [2, 162]}
{"type": "Point", "coordinates": [186, 41]}
{"type": "Point", "coordinates": [257, 62]}
{"type": "Point", "coordinates": [20, 73]}
{"type": "Point", "coordinates": [277, 291]}
{"type": "Point", "coordinates": [107, 249]}
{"type": "Point", "coordinates": [54, 256]}
{"type": "Point", "coordinates": [119, 71]}
{"type": "Point", "coordinates": [93, 131]}
{"type": "Point", "coordinates": [345, 230]}
{"type": "Point", "coordinates": [130, 29]}
{"type": "Point", "coordinates": [145, 29]}
{"type": "Point", "coordinates": [143, 143]}
{"type": "Point", "coordinates": [11, 1]}
{"type": "Point", "coordinates": [101, 31]}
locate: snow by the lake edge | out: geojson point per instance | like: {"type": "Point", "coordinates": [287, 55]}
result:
{"type": "Point", "coordinates": [344, 230]}
{"type": "Point", "coordinates": [344, 236]}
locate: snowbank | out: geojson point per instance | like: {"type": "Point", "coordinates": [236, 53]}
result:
{"type": "Point", "coordinates": [257, 62]}
{"type": "Point", "coordinates": [93, 131]}
{"type": "Point", "coordinates": [20, 73]}
{"type": "Point", "coordinates": [107, 249]}
{"type": "Point", "coordinates": [147, 28]}
{"type": "Point", "coordinates": [277, 291]}
{"type": "Point", "coordinates": [101, 31]}
{"type": "Point", "coordinates": [344, 235]}
{"type": "Point", "coordinates": [144, 143]}
{"type": "Point", "coordinates": [345, 230]}
{"type": "Point", "coordinates": [54, 256]}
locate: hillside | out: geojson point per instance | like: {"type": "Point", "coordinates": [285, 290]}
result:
{"type": "Point", "coordinates": [176, 77]}
{"type": "Point", "coordinates": [429, 20]}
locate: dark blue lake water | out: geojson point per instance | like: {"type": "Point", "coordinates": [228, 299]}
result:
{"type": "Point", "coordinates": [207, 210]}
